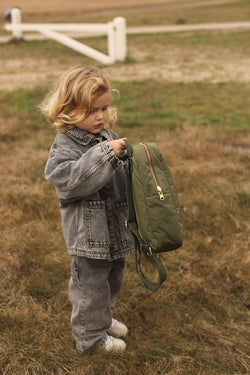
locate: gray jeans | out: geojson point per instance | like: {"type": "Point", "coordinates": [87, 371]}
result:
{"type": "Point", "coordinates": [93, 286]}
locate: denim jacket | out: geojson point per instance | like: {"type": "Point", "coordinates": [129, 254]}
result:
{"type": "Point", "coordinates": [91, 188]}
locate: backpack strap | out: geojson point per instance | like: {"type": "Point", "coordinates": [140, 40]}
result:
{"type": "Point", "coordinates": [132, 223]}
{"type": "Point", "coordinates": [156, 263]}
{"type": "Point", "coordinates": [140, 248]}
{"type": "Point", "coordinates": [129, 149]}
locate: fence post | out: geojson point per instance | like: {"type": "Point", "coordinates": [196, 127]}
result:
{"type": "Point", "coordinates": [16, 19]}
{"type": "Point", "coordinates": [120, 38]}
{"type": "Point", "coordinates": [111, 42]}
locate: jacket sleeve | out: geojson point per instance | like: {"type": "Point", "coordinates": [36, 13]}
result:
{"type": "Point", "coordinates": [79, 177]}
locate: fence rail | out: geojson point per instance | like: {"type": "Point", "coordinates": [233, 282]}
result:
{"type": "Point", "coordinates": [115, 31]}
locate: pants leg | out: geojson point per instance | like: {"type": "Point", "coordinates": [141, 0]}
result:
{"type": "Point", "coordinates": [92, 289]}
{"type": "Point", "coordinates": [115, 279]}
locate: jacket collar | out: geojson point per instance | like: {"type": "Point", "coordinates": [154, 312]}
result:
{"type": "Point", "coordinates": [84, 137]}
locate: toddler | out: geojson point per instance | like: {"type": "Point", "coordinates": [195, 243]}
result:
{"type": "Point", "coordinates": [85, 165]}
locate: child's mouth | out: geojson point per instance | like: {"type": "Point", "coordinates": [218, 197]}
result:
{"type": "Point", "coordinates": [98, 126]}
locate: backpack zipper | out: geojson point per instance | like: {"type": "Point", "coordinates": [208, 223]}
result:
{"type": "Point", "coordinates": [158, 188]}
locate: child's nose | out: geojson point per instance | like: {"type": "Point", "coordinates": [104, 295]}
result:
{"type": "Point", "coordinates": [99, 115]}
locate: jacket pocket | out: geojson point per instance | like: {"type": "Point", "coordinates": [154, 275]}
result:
{"type": "Point", "coordinates": [97, 233]}
{"type": "Point", "coordinates": [122, 213]}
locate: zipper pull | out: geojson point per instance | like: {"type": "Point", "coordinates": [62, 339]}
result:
{"type": "Point", "coordinates": [159, 191]}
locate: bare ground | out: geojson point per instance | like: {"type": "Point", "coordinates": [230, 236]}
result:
{"type": "Point", "coordinates": [173, 64]}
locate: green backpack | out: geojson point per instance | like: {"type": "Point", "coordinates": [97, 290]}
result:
{"type": "Point", "coordinates": [153, 209]}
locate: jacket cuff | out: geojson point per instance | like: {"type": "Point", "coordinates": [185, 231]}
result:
{"type": "Point", "coordinates": [112, 158]}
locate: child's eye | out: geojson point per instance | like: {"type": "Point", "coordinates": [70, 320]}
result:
{"type": "Point", "coordinates": [98, 109]}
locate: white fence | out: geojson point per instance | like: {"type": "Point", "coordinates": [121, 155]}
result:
{"type": "Point", "coordinates": [115, 31]}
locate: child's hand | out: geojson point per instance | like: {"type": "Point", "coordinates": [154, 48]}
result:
{"type": "Point", "coordinates": [119, 146]}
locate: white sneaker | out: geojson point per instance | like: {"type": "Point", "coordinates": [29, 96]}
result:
{"type": "Point", "coordinates": [118, 329]}
{"type": "Point", "coordinates": [113, 344]}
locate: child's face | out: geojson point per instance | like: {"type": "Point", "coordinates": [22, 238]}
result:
{"type": "Point", "coordinates": [97, 118]}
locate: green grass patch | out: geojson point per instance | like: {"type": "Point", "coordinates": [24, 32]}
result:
{"type": "Point", "coordinates": [23, 101]}
{"type": "Point", "coordinates": [222, 41]}
{"type": "Point", "coordinates": [169, 105]}
{"type": "Point", "coordinates": [154, 104]}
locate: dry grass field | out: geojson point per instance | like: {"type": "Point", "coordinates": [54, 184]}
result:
{"type": "Point", "coordinates": [189, 93]}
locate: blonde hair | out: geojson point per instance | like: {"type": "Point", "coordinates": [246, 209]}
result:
{"type": "Point", "coordinates": [71, 99]}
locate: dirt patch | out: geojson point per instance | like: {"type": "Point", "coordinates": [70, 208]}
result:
{"type": "Point", "coordinates": [176, 65]}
